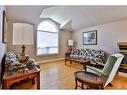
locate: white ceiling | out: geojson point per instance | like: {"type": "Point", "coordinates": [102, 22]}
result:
{"type": "Point", "coordinates": [30, 14]}
{"type": "Point", "coordinates": [71, 17]}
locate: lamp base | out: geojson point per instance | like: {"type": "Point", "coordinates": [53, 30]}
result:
{"type": "Point", "coordinates": [23, 59]}
{"type": "Point", "coordinates": [23, 50]}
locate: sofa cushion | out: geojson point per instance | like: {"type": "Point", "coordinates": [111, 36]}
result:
{"type": "Point", "coordinates": [11, 55]}
{"type": "Point", "coordinates": [11, 60]}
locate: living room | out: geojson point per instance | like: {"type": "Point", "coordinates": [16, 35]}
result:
{"type": "Point", "coordinates": [63, 33]}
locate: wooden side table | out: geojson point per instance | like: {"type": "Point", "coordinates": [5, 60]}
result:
{"type": "Point", "coordinates": [90, 80]}
{"type": "Point", "coordinates": [11, 77]}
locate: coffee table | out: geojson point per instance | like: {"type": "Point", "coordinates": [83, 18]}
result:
{"type": "Point", "coordinates": [10, 77]}
{"type": "Point", "coordinates": [84, 63]}
{"type": "Point", "coordinates": [89, 80]}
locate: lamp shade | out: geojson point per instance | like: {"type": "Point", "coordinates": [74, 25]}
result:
{"type": "Point", "coordinates": [70, 42]}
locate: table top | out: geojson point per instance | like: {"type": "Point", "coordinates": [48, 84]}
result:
{"type": "Point", "coordinates": [20, 72]}
{"type": "Point", "coordinates": [88, 77]}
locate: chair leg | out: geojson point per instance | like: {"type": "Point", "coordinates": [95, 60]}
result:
{"type": "Point", "coordinates": [76, 84]}
{"type": "Point", "coordinates": [110, 84]}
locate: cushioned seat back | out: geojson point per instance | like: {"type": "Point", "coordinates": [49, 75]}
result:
{"type": "Point", "coordinates": [112, 66]}
{"type": "Point", "coordinates": [90, 54]}
{"type": "Point", "coordinates": [109, 65]}
{"type": "Point", "coordinates": [75, 54]}
{"type": "Point", "coordinates": [96, 56]}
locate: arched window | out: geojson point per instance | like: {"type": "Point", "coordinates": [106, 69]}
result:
{"type": "Point", "coordinates": [47, 26]}
{"type": "Point", "coordinates": [47, 38]}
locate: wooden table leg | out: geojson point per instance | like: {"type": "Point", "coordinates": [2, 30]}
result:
{"type": "Point", "coordinates": [76, 83]}
{"type": "Point", "coordinates": [33, 81]}
{"type": "Point", "coordinates": [84, 66]}
{"type": "Point", "coordinates": [65, 62]}
{"type": "Point", "coordinates": [102, 87]}
{"type": "Point", "coordinates": [5, 85]}
{"type": "Point", "coordinates": [38, 81]}
{"type": "Point", "coordinates": [82, 86]}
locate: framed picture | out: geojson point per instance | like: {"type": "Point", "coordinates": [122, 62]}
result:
{"type": "Point", "coordinates": [90, 37]}
{"type": "Point", "coordinates": [4, 28]}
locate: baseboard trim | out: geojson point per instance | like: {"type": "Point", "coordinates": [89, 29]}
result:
{"type": "Point", "coordinates": [51, 60]}
{"type": "Point", "coordinates": [122, 74]}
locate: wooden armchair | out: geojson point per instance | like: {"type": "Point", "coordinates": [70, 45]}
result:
{"type": "Point", "coordinates": [110, 69]}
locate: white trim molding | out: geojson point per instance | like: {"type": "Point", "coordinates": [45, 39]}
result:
{"type": "Point", "coordinates": [122, 74]}
{"type": "Point", "coordinates": [51, 60]}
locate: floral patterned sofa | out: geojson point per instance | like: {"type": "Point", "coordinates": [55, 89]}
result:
{"type": "Point", "coordinates": [12, 61]}
{"type": "Point", "coordinates": [96, 57]}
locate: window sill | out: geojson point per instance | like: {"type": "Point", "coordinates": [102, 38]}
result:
{"type": "Point", "coordinates": [47, 54]}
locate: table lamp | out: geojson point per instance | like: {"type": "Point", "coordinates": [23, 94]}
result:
{"type": "Point", "coordinates": [22, 35]}
{"type": "Point", "coordinates": [70, 44]}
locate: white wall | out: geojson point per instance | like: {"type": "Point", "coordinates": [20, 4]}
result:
{"type": "Point", "coordinates": [107, 35]}
{"type": "Point", "coordinates": [2, 46]}
{"type": "Point", "coordinates": [1, 21]}
{"type": "Point", "coordinates": [2, 52]}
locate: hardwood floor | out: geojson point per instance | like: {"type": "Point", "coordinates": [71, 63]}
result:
{"type": "Point", "coordinates": [58, 76]}
{"type": "Point", "coordinates": [55, 75]}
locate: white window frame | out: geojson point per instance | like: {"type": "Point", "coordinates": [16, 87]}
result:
{"type": "Point", "coordinates": [49, 32]}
